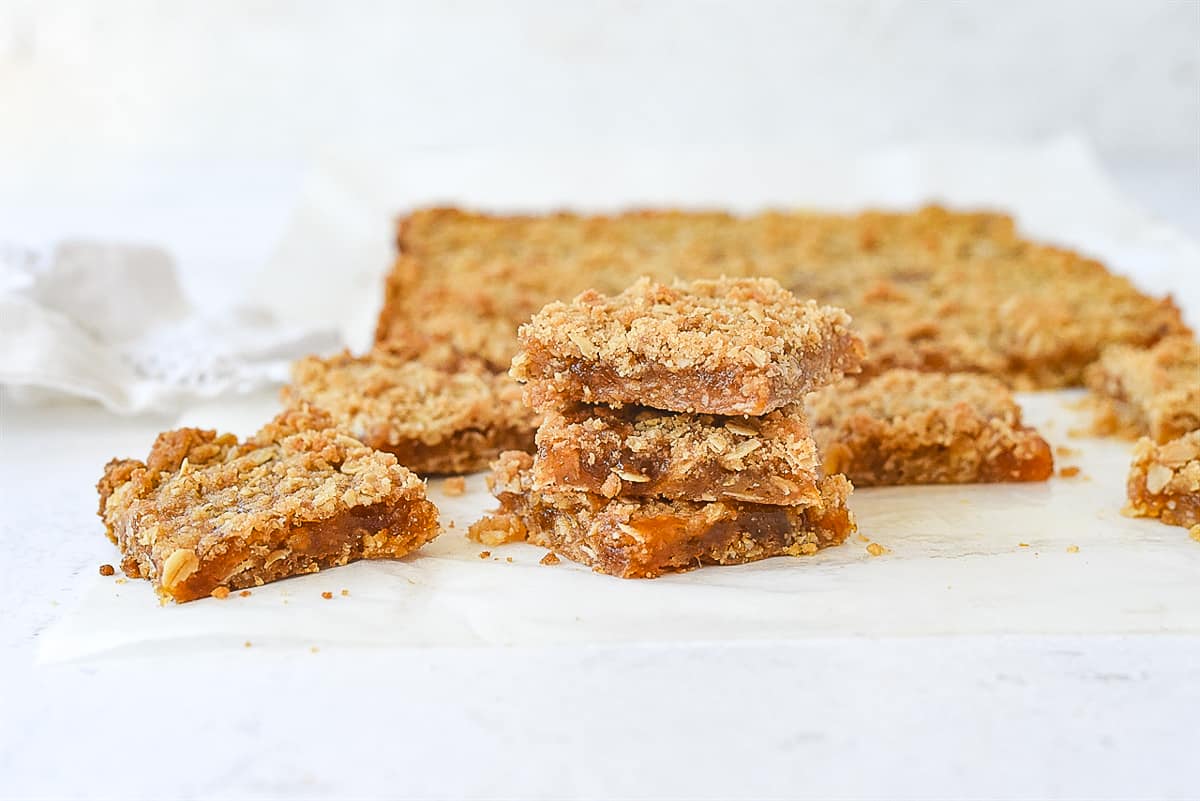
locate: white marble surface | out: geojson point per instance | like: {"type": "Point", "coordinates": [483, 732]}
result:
{"type": "Point", "coordinates": [1062, 715]}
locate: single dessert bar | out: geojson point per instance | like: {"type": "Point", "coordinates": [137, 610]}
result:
{"type": "Point", "coordinates": [205, 512]}
{"type": "Point", "coordinates": [906, 427]}
{"type": "Point", "coordinates": [644, 538]}
{"type": "Point", "coordinates": [1164, 480]}
{"type": "Point", "coordinates": [1153, 392]}
{"type": "Point", "coordinates": [726, 346]}
{"type": "Point", "coordinates": [437, 415]}
{"type": "Point", "coordinates": [932, 289]}
{"type": "Point", "coordinates": [636, 452]}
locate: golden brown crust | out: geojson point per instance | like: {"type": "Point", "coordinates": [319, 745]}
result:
{"type": "Point", "coordinates": [1151, 392]}
{"type": "Point", "coordinates": [1164, 480]}
{"type": "Point", "coordinates": [439, 413]}
{"type": "Point", "coordinates": [726, 346]}
{"type": "Point", "coordinates": [930, 290]}
{"type": "Point", "coordinates": [906, 427]}
{"type": "Point", "coordinates": [636, 452]}
{"type": "Point", "coordinates": [644, 538]}
{"type": "Point", "coordinates": [205, 511]}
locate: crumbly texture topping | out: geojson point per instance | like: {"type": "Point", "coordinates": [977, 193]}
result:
{"type": "Point", "coordinates": [639, 452]}
{"type": "Point", "coordinates": [906, 427]}
{"type": "Point", "coordinates": [644, 538]}
{"type": "Point", "coordinates": [440, 412]}
{"type": "Point", "coordinates": [1164, 480]}
{"type": "Point", "coordinates": [930, 290]}
{"type": "Point", "coordinates": [723, 346]}
{"type": "Point", "coordinates": [1151, 392]}
{"type": "Point", "coordinates": [203, 500]}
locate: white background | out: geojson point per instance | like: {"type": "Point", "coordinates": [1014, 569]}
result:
{"type": "Point", "coordinates": [194, 124]}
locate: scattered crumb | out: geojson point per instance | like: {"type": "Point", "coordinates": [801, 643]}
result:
{"type": "Point", "coordinates": [345, 593]}
{"type": "Point", "coordinates": [1064, 450]}
{"type": "Point", "coordinates": [121, 581]}
{"type": "Point", "coordinates": [1072, 549]}
{"type": "Point", "coordinates": [1078, 433]}
{"type": "Point", "coordinates": [875, 549]}
{"type": "Point", "coordinates": [863, 537]}
{"type": "Point", "coordinates": [327, 595]}
{"type": "Point", "coordinates": [220, 592]}
{"type": "Point", "coordinates": [454, 486]}
{"type": "Point", "coordinates": [107, 570]}
{"type": "Point", "coordinates": [450, 524]}
{"type": "Point", "coordinates": [246, 644]}
{"type": "Point", "coordinates": [1194, 532]}
{"type": "Point", "coordinates": [551, 558]}
{"type": "Point", "coordinates": [245, 593]}
{"type": "Point", "coordinates": [1070, 471]}
{"type": "Point", "coordinates": [484, 554]}
{"type": "Point", "coordinates": [1023, 544]}
{"type": "Point", "coordinates": [314, 649]}
{"type": "Point", "coordinates": [508, 559]}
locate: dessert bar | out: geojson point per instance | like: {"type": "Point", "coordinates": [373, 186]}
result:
{"type": "Point", "coordinates": [931, 290]}
{"type": "Point", "coordinates": [906, 427]}
{"type": "Point", "coordinates": [1153, 392]}
{"type": "Point", "coordinates": [637, 452]}
{"type": "Point", "coordinates": [437, 415]}
{"type": "Point", "coordinates": [725, 346]}
{"type": "Point", "coordinates": [208, 513]}
{"type": "Point", "coordinates": [1164, 480]}
{"type": "Point", "coordinates": [644, 538]}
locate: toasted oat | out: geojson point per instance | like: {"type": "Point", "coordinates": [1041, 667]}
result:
{"type": "Point", "coordinates": [905, 427]}
{"type": "Point", "coordinates": [107, 570]}
{"type": "Point", "coordinates": [207, 511]}
{"type": "Point", "coordinates": [437, 413]}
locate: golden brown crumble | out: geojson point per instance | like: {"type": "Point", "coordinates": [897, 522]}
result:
{"type": "Point", "coordinates": [327, 595]}
{"type": "Point", "coordinates": [436, 412]}
{"type": "Point", "coordinates": [639, 452]}
{"type": "Point", "coordinates": [725, 346]}
{"type": "Point", "coordinates": [875, 549]}
{"type": "Point", "coordinates": [245, 594]}
{"type": "Point", "coordinates": [220, 593]}
{"type": "Point", "coordinates": [1072, 549]}
{"type": "Point", "coordinates": [931, 289]}
{"type": "Point", "coordinates": [1070, 471]}
{"type": "Point", "coordinates": [1164, 480]}
{"type": "Point", "coordinates": [551, 558]}
{"type": "Point", "coordinates": [1153, 392]}
{"type": "Point", "coordinates": [644, 538]}
{"type": "Point", "coordinates": [906, 427]}
{"type": "Point", "coordinates": [205, 511]}
{"type": "Point", "coordinates": [484, 554]}
{"type": "Point", "coordinates": [107, 570]}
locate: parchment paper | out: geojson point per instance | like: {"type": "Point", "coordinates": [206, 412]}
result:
{"type": "Point", "coordinates": [963, 560]}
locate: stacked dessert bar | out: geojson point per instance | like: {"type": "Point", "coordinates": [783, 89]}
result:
{"type": "Point", "coordinates": [673, 432]}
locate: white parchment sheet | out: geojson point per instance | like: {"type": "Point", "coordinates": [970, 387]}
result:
{"type": "Point", "coordinates": [963, 559]}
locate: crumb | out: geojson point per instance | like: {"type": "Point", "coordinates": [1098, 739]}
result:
{"type": "Point", "coordinates": [484, 554]}
{"type": "Point", "coordinates": [245, 593]}
{"type": "Point", "coordinates": [1194, 532]}
{"type": "Point", "coordinates": [246, 644]}
{"type": "Point", "coordinates": [327, 595]}
{"type": "Point", "coordinates": [120, 581]}
{"type": "Point", "coordinates": [314, 649]}
{"type": "Point", "coordinates": [454, 486]}
{"type": "Point", "coordinates": [450, 524]}
{"type": "Point", "coordinates": [220, 592]}
{"type": "Point", "coordinates": [551, 558]}
{"type": "Point", "coordinates": [1070, 471]}
{"type": "Point", "coordinates": [1023, 544]}
{"type": "Point", "coordinates": [862, 537]}
{"type": "Point", "coordinates": [508, 559]}
{"type": "Point", "coordinates": [345, 593]}
{"type": "Point", "coordinates": [875, 549]}
{"type": "Point", "coordinates": [1063, 450]}
{"type": "Point", "coordinates": [107, 570]}
{"type": "Point", "coordinates": [1072, 549]}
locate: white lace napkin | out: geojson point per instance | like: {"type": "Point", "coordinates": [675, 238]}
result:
{"type": "Point", "coordinates": [110, 322]}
